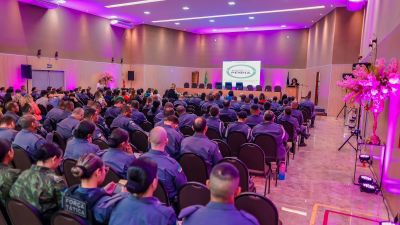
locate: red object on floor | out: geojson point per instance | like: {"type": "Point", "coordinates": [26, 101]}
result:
{"type": "Point", "coordinates": [326, 216]}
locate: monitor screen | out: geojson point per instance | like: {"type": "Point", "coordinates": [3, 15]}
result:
{"type": "Point", "coordinates": [247, 72]}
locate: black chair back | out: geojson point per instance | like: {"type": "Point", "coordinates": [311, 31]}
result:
{"type": "Point", "coordinates": [59, 140]}
{"type": "Point", "coordinates": [226, 119]}
{"type": "Point", "coordinates": [213, 134]}
{"type": "Point", "coordinates": [49, 107]}
{"type": "Point", "coordinates": [306, 114]}
{"type": "Point", "coordinates": [223, 148]}
{"type": "Point", "coordinates": [243, 172]}
{"type": "Point", "coordinates": [186, 130]}
{"type": "Point", "coordinates": [268, 144]}
{"type": "Point", "coordinates": [289, 128]}
{"type": "Point", "coordinates": [66, 218]}
{"type": "Point", "coordinates": [161, 194]}
{"type": "Point", "coordinates": [194, 167]}
{"type": "Point", "coordinates": [109, 121]}
{"type": "Point", "coordinates": [194, 85]}
{"type": "Point", "coordinates": [22, 213]}
{"type": "Point", "coordinates": [186, 85]}
{"type": "Point", "coordinates": [145, 111]}
{"type": "Point", "coordinates": [258, 88]}
{"type": "Point", "coordinates": [277, 88]}
{"type": "Point", "coordinates": [140, 141]}
{"type": "Point", "coordinates": [193, 193]}
{"type": "Point", "coordinates": [209, 86]}
{"type": "Point", "coordinates": [268, 88]}
{"type": "Point", "coordinates": [253, 157]}
{"type": "Point", "coordinates": [259, 206]}
{"type": "Point", "coordinates": [111, 176]}
{"type": "Point", "coordinates": [4, 219]}
{"type": "Point", "coordinates": [21, 159]}
{"type": "Point", "coordinates": [43, 110]}
{"type": "Point", "coordinates": [102, 144]}
{"type": "Point", "coordinates": [235, 140]}
{"type": "Point", "coordinates": [250, 88]}
{"type": "Point", "coordinates": [146, 126]}
{"type": "Point", "coordinates": [69, 178]}
{"type": "Point", "coordinates": [201, 85]}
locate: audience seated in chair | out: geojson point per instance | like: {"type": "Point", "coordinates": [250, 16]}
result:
{"type": "Point", "coordinates": [287, 116]}
{"type": "Point", "coordinates": [185, 119]}
{"type": "Point", "coordinates": [57, 114]}
{"type": "Point", "coordinates": [307, 103]}
{"type": "Point", "coordinates": [125, 121]}
{"type": "Point", "coordinates": [171, 124]}
{"type": "Point", "coordinates": [255, 116]}
{"type": "Point", "coordinates": [228, 112]}
{"type": "Point", "coordinates": [239, 126]}
{"type": "Point", "coordinates": [12, 110]}
{"type": "Point", "coordinates": [214, 123]}
{"type": "Point", "coordinates": [8, 175]}
{"type": "Point", "coordinates": [7, 129]}
{"type": "Point", "coordinates": [67, 125]}
{"type": "Point", "coordinates": [115, 110]}
{"type": "Point", "coordinates": [137, 116]}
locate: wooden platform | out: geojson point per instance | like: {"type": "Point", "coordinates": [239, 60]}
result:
{"type": "Point", "coordinates": [225, 92]}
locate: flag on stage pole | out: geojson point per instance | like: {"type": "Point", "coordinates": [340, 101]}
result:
{"type": "Point", "coordinates": [287, 79]}
{"type": "Point", "coordinates": [206, 78]}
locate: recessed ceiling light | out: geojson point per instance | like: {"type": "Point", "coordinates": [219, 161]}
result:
{"type": "Point", "coordinates": [147, 12]}
{"type": "Point", "coordinates": [246, 28]}
{"type": "Point", "coordinates": [132, 3]}
{"type": "Point", "coordinates": [212, 21]}
{"type": "Point", "coordinates": [185, 8]}
{"type": "Point", "coordinates": [114, 22]}
{"type": "Point", "coordinates": [251, 17]}
{"type": "Point", "coordinates": [177, 23]}
{"type": "Point", "coordinates": [332, 5]}
{"type": "Point", "coordinates": [320, 14]}
{"type": "Point", "coordinates": [231, 3]}
{"type": "Point", "coordinates": [113, 17]}
{"type": "Point", "coordinates": [242, 14]}
{"type": "Point", "coordinates": [312, 21]}
{"type": "Point", "coordinates": [283, 26]}
{"type": "Point", "coordinates": [214, 30]}
{"type": "Point", "coordinates": [60, 1]}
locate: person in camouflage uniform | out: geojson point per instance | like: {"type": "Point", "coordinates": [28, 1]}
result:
{"type": "Point", "coordinates": [39, 185]}
{"type": "Point", "coordinates": [8, 175]}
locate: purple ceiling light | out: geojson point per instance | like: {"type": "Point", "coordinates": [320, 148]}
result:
{"type": "Point", "coordinates": [355, 5]}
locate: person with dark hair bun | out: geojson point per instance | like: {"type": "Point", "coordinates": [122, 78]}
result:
{"type": "Point", "coordinates": [81, 143]}
{"type": "Point", "coordinates": [221, 210]}
{"type": "Point", "coordinates": [141, 207]}
{"type": "Point", "coordinates": [39, 185]}
{"type": "Point", "coordinates": [84, 200]}
{"type": "Point", "coordinates": [120, 154]}
{"type": "Point", "coordinates": [8, 175]}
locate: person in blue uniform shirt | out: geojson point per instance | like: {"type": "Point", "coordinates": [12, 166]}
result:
{"type": "Point", "coordinates": [81, 144]}
{"type": "Point", "coordinates": [275, 130]}
{"type": "Point", "coordinates": [296, 113]}
{"type": "Point", "coordinates": [115, 110]}
{"type": "Point", "coordinates": [239, 126]}
{"type": "Point", "coordinates": [120, 154]}
{"type": "Point", "coordinates": [140, 207]}
{"type": "Point", "coordinates": [155, 109]}
{"type": "Point", "coordinates": [227, 111]}
{"type": "Point", "coordinates": [221, 210]}
{"type": "Point", "coordinates": [209, 103]}
{"type": "Point", "coordinates": [255, 116]}
{"type": "Point", "coordinates": [137, 116]}
{"type": "Point", "coordinates": [85, 200]}
{"type": "Point", "coordinates": [185, 119]}
{"type": "Point", "coordinates": [12, 110]}
{"type": "Point", "coordinates": [91, 115]}
{"type": "Point", "coordinates": [247, 105]}
{"type": "Point", "coordinates": [125, 121]}
{"type": "Point", "coordinates": [201, 145]}
{"type": "Point", "coordinates": [214, 123]}
{"type": "Point", "coordinates": [67, 125]}
{"type": "Point", "coordinates": [307, 103]}
{"type": "Point", "coordinates": [57, 114]}
{"type": "Point", "coordinates": [168, 111]}
{"type": "Point", "coordinates": [287, 116]}
{"type": "Point", "coordinates": [274, 104]}
{"type": "Point", "coordinates": [7, 128]}
{"type": "Point", "coordinates": [196, 100]}
{"type": "Point", "coordinates": [27, 138]}
{"type": "Point", "coordinates": [169, 107]}
{"type": "Point", "coordinates": [170, 173]}
{"type": "Point", "coordinates": [180, 101]}
{"type": "Point", "coordinates": [175, 137]}
{"type": "Point", "coordinates": [219, 100]}
{"type": "Point", "coordinates": [235, 105]}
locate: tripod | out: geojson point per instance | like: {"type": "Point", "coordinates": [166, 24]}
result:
{"type": "Point", "coordinates": [355, 133]}
{"type": "Point", "coordinates": [344, 110]}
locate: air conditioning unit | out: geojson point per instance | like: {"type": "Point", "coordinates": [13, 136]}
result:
{"type": "Point", "coordinates": [48, 4]}
{"type": "Point", "coordinates": [121, 23]}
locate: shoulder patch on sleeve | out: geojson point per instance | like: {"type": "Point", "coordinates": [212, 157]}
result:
{"type": "Point", "coordinates": [249, 217]}
{"type": "Point", "coordinates": [186, 212]}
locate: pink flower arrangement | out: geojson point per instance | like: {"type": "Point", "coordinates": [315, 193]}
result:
{"type": "Point", "coordinates": [371, 87]}
{"type": "Point", "coordinates": [106, 79]}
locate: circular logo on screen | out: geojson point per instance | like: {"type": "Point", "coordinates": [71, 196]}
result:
{"type": "Point", "coordinates": [241, 71]}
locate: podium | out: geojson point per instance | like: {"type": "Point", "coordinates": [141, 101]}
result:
{"type": "Point", "coordinates": [292, 91]}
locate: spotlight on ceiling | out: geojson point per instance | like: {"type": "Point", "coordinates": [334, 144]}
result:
{"type": "Point", "coordinates": [48, 4]}
{"type": "Point", "coordinates": [355, 5]}
{"type": "Point", "coordinates": [212, 21]}
{"type": "Point", "coordinates": [60, 1]}
{"type": "Point", "coordinates": [283, 26]}
{"type": "Point", "coordinates": [231, 3]}
{"type": "Point", "coordinates": [388, 223]}
{"type": "Point", "coordinates": [246, 28]}
{"type": "Point", "coordinates": [132, 3]}
{"type": "Point", "coordinates": [185, 8]}
{"type": "Point", "coordinates": [251, 17]}
{"type": "Point", "coordinates": [147, 12]}
{"type": "Point", "coordinates": [177, 23]}
{"type": "Point", "coordinates": [121, 23]}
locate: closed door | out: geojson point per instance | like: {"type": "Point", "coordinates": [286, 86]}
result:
{"type": "Point", "coordinates": [41, 79]}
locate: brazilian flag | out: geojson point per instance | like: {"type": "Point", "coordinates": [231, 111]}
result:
{"type": "Point", "coordinates": [206, 78]}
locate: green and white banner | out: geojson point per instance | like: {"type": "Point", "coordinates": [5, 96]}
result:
{"type": "Point", "coordinates": [247, 72]}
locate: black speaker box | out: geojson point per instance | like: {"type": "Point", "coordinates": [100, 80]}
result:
{"type": "Point", "coordinates": [131, 75]}
{"type": "Point", "coordinates": [26, 71]}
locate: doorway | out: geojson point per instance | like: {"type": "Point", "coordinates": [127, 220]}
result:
{"type": "Point", "coordinates": [41, 79]}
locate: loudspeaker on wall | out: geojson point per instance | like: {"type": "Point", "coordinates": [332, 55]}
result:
{"type": "Point", "coordinates": [131, 75]}
{"type": "Point", "coordinates": [26, 71]}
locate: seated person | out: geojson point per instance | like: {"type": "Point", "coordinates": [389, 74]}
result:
{"type": "Point", "coordinates": [137, 116]}
{"type": "Point", "coordinates": [125, 121]}
{"type": "Point", "coordinates": [170, 124]}
{"type": "Point", "coordinates": [214, 123]}
{"type": "Point", "coordinates": [287, 116]}
{"type": "Point", "coordinates": [12, 110]}
{"type": "Point", "coordinates": [120, 154]}
{"type": "Point", "coordinates": [247, 105]}
{"type": "Point", "coordinates": [307, 103]}
{"type": "Point", "coordinates": [7, 128]}
{"type": "Point", "coordinates": [255, 116]}
{"type": "Point", "coordinates": [209, 103]}
{"type": "Point", "coordinates": [92, 172]}
{"type": "Point", "coordinates": [275, 130]}
{"type": "Point", "coordinates": [115, 110]}
{"type": "Point", "coordinates": [201, 145]}
{"type": "Point", "coordinates": [239, 126]}
{"type": "Point", "coordinates": [81, 144]}
{"type": "Point", "coordinates": [296, 113]}
{"type": "Point", "coordinates": [274, 104]}
{"type": "Point", "coordinates": [142, 182]}
{"type": "Point", "coordinates": [168, 111]}
{"type": "Point", "coordinates": [40, 186]}
{"type": "Point", "coordinates": [228, 112]}
{"type": "Point", "coordinates": [170, 173]}
{"type": "Point", "coordinates": [155, 109]}
{"type": "Point", "coordinates": [221, 210]}
{"type": "Point", "coordinates": [8, 175]}
{"type": "Point", "coordinates": [67, 125]}
{"type": "Point", "coordinates": [57, 114]}
{"type": "Point", "coordinates": [180, 101]}
{"type": "Point", "coordinates": [185, 119]}
{"type": "Point", "coordinates": [235, 105]}
{"type": "Point", "coordinates": [27, 138]}
{"type": "Point", "coordinates": [162, 114]}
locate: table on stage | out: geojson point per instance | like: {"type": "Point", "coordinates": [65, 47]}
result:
{"type": "Point", "coordinates": [225, 92]}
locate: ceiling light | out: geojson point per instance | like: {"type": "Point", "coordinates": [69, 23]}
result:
{"type": "Point", "coordinates": [231, 3]}
{"type": "Point", "coordinates": [185, 8]}
{"type": "Point", "coordinates": [132, 3]}
{"type": "Point", "coordinates": [121, 23]}
{"type": "Point", "coordinates": [246, 28]}
{"type": "Point", "coordinates": [251, 17]}
{"type": "Point", "coordinates": [113, 17]}
{"type": "Point", "coordinates": [312, 21]}
{"type": "Point", "coordinates": [283, 26]}
{"type": "Point", "coordinates": [242, 14]}
{"type": "Point", "coordinates": [60, 1]}
{"type": "Point", "coordinates": [320, 14]}
{"type": "Point", "coordinates": [177, 23]}
{"type": "Point", "coordinates": [332, 5]}
{"type": "Point", "coordinates": [212, 21]}
{"type": "Point", "coordinates": [147, 12]}
{"type": "Point", "coordinates": [114, 22]}
{"type": "Point", "coordinates": [214, 30]}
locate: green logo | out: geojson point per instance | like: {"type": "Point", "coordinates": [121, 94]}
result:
{"type": "Point", "coordinates": [241, 71]}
